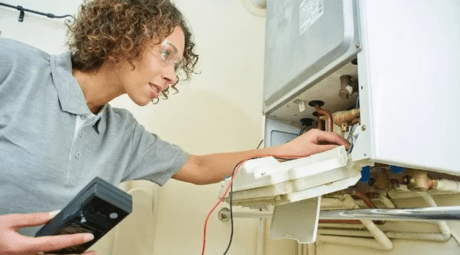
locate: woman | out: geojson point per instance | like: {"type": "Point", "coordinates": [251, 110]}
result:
{"type": "Point", "coordinates": [57, 130]}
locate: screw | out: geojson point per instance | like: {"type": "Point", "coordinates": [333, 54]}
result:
{"type": "Point", "coordinates": [358, 45]}
{"type": "Point", "coordinates": [224, 214]}
{"type": "Point", "coordinates": [363, 127]}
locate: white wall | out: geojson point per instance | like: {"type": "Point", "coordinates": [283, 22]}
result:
{"type": "Point", "coordinates": [218, 110]}
{"type": "Point", "coordinates": [39, 31]}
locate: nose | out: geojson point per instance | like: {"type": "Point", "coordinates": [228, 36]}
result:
{"type": "Point", "coordinates": [169, 75]}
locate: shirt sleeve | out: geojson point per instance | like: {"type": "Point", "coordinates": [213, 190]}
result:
{"type": "Point", "coordinates": [153, 159]}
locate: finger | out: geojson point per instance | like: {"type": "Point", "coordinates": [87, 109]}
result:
{"type": "Point", "coordinates": [52, 243]}
{"type": "Point", "coordinates": [333, 138]}
{"type": "Point", "coordinates": [18, 221]}
{"type": "Point", "coordinates": [323, 148]}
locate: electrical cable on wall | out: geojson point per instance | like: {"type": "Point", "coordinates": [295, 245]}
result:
{"type": "Point", "coordinates": [22, 11]}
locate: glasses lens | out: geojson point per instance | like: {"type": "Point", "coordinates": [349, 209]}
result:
{"type": "Point", "coordinates": [168, 53]}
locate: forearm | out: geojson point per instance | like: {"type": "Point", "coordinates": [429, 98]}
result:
{"type": "Point", "coordinates": [213, 168]}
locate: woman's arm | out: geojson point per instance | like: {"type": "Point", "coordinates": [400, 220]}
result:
{"type": "Point", "coordinates": [213, 168]}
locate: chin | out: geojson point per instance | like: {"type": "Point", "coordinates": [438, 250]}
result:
{"type": "Point", "coordinates": [141, 101]}
{"type": "Point", "coordinates": [144, 103]}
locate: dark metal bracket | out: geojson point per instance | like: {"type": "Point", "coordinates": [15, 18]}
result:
{"type": "Point", "coordinates": [22, 11]}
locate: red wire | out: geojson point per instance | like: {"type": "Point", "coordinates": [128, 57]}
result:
{"type": "Point", "coordinates": [217, 204]}
{"type": "Point", "coordinates": [228, 188]}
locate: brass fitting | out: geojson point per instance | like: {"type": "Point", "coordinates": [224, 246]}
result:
{"type": "Point", "coordinates": [420, 181]}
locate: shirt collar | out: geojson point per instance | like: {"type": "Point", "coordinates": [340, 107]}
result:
{"type": "Point", "coordinates": [69, 92]}
{"type": "Point", "coordinates": [99, 125]}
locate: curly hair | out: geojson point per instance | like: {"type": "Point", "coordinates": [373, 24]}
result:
{"type": "Point", "coordinates": [117, 30]}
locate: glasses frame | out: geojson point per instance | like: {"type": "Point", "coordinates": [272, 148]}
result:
{"type": "Point", "coordinates": [167, 47]}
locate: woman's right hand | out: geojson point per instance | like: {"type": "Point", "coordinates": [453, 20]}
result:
{"type": "Point", "coordinates": [12, 243]}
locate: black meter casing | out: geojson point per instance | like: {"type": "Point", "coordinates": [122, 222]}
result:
{"type": "Point", "coordinates": [96, 209]}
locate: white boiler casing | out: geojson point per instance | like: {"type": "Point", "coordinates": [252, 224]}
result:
{"type": "Point", "coordinates": [408, 71]}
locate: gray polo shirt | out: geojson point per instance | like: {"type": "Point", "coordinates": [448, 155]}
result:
{"type": "Point", "coordinates": [44, 160]}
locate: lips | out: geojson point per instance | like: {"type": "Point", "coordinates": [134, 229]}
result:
{"type": "Point", "coordinates": [155, 90]}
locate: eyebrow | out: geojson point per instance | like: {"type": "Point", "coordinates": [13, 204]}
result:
{"type": "Point", "coordinates": [173, 46]}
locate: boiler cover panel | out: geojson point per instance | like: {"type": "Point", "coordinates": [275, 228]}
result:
{"type": "Point", "coordinates": [305, 39]}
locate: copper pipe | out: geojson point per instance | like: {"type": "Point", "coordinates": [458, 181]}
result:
{"type": "Point", "coordinates": [365, 198]}
{"type": "Point", "coordinates": [347, 86]}
{"type": "Point", "coordinates": [354, 121]}
{"type": "Point", "coordinates": [320, 124]}
{"type": "Point", "coordinates": [328, 115]}
{"type": "Point", "coordinates": [345, 81]}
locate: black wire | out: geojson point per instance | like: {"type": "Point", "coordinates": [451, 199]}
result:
{"type": "Point", "coordinates": [260, 144]}
{"type": "Point", "coordinates": [49, 15]}
{"type": "Point", "coordinates": [231, 209]}
{"type": "Point", "coordinates": [231, 203]}
{"type": "Point", "coordinates": [230, 195]}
